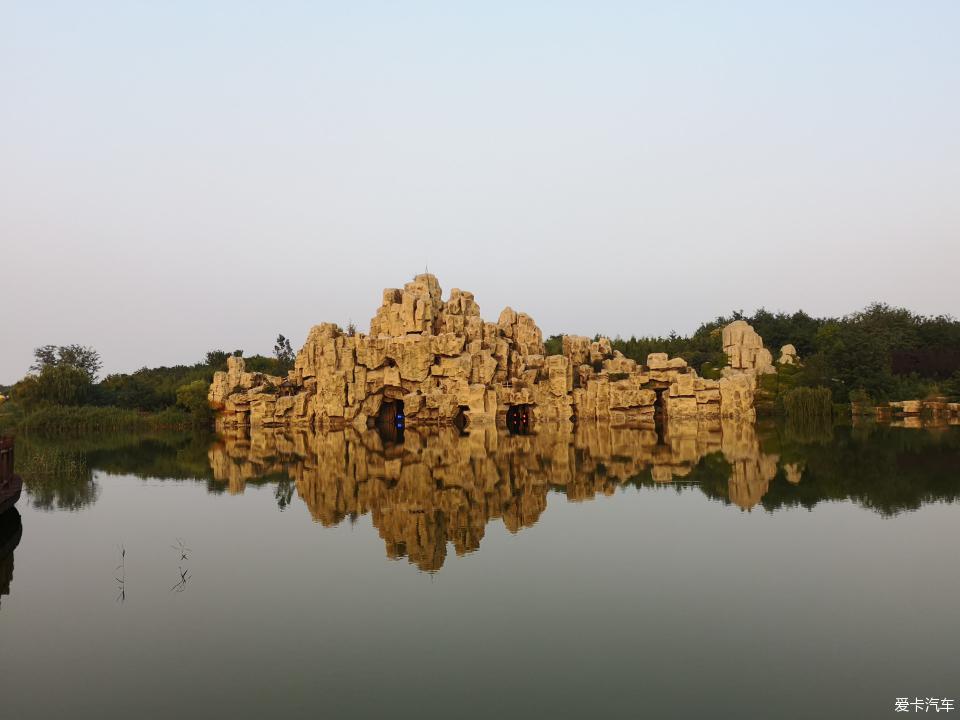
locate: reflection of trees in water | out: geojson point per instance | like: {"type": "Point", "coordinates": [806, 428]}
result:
{"type": "Point", "coordinates": [58, 473]}
{"type": "Point", "coordinates": [808, 429]}
{"type": "Point", "coordinates": [284, 492]}
{"type": "Point", "coordinates": [55, 477]}
{"type": "Point", "coordinates": [170, 456]}
{"type": "Point", "coordinates": [890, 470]}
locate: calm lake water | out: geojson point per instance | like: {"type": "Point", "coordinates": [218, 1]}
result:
{"type": "Point", "coordinates": [771, 573]}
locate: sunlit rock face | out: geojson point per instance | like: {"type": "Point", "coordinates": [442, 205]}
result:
{"type": "Point", "coordinates": [745, 350]}
{"type": "Point", "coordinates": [788, 355]}
{"type": "Point", "coordinates": [439, 363]}
{"type": "Point", "coordinates": [934, 412]}
{"type": "Point", "coordinates": [441, 488]}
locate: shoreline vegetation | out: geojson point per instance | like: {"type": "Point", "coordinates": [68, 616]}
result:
{"type": "Point", "coordinates": [61, 395]}
{"type": "Point", "coordinates": [872, 357]}
{"type": "Point", "coordinates": [781, 465]}
{"type": "Point", "coordinates": [79, 420]}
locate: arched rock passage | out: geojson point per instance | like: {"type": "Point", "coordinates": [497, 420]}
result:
{"type": "Point", "coordinates": [391, 420]}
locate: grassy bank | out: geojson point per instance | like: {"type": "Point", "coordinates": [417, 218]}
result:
{"type": "Point", "coordinates": [63, 420]}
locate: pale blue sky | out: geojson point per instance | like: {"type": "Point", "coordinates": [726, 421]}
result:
{"type": "Point", "coordinates": [181, 176]}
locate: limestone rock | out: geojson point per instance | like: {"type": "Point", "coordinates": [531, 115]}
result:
{"type": "Point", "coordinates": [657, 361]}
{"type": "Point", "coordinates": [444, 364]}
{"type": "Point", "coordinates": [788, 355]}
{"type": "Point", "coordinates": [576, 348]}
{"type": "Point", "coordinates": [744, 348]}
{"type": "Point", "coordinates": [907, 407]}
{"type": "Point", "coordinates": [736, 397]}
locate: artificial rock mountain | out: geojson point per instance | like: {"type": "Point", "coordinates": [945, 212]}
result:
{"type": "Point", "coordinates": [440, 363]}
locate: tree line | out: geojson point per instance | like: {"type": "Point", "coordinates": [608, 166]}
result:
{"type": "Point", "coordinates": [67, 375]}
{"type": "Point", "coordinates": [878, 354]}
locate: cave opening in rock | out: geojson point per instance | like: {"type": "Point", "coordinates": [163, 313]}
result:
{"type": "Point", "coordinates": [659, 404]}
{"type": "Point", "coordinates": [391, 421]}
{"type": "Point", "coordinates": [518, 419]}
{"type": "Point", "coordinates": [460, 419]}
{"type": "Point", "coordinates": [660, 413]}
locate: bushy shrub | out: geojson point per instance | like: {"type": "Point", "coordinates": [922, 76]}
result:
{"type": "Point", "coordinates": [554, 345]}
{"type": "Point", "coordinates": [952, 386]}
{"type": "Point", "coordinates": [54, 384]}
{"type": "Point", "coordinates": [193, 398]}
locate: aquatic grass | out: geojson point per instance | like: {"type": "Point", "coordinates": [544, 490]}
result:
{"type": "Point", "coordinates": [55, 477]}
{"type": "Point", "coordinates": [808, 403]}
{"type": "Point", "coordinates": [121, 576]}
{"type": "Point", "coordinates": [33, 461]}
{"type": "Point", "coordinates": [60, 420]}
{"type": "Point", "coordinates": [809, 414]}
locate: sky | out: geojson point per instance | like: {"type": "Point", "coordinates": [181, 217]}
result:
{"type": "Point", "coordinates": [182, 176]}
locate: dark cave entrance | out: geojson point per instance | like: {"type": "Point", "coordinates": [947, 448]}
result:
{"type": "Point", "coordinates": [518, 419]}
{"type": "Point", "coordinates": [660, 413]}
{"type": "Point", "coordinates": [391, 420]}
{"type": "Point", "coordinates": [659, 405]}
{"type": "Point", "coordinates": [460, 419]}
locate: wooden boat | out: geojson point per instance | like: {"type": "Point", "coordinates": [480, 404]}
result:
{"type": "Point", "coordinates": [10, 484]}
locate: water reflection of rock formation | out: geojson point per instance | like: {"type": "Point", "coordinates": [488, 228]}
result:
{"type": "Point", "coordinates": [750, 469]}
{"type": "Point", "coordinates": [444, 487]}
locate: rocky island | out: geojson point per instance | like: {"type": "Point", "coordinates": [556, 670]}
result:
{"type": "Point", "coordinates": [430, 361]}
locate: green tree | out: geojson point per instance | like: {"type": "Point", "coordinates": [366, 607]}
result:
{"type": "Point", "coordinates": [192, 397]}
{"type": "Point", "coordinates": [779, 329]}
{"type": "Point", "coordinates": [81, 357]}
{"type": "Point", "coordinates": [54, 384]}
{"type": "Point", "coordinates": [283, 352]}
{"type": "Point", "coordinates": [554, 345]}
{"type": "Point", "coordinates": [216, 359]}
{"type": "Point", "coordinates": [129, 391]}
{"type": "Point", "coordinates": [952, 386]}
